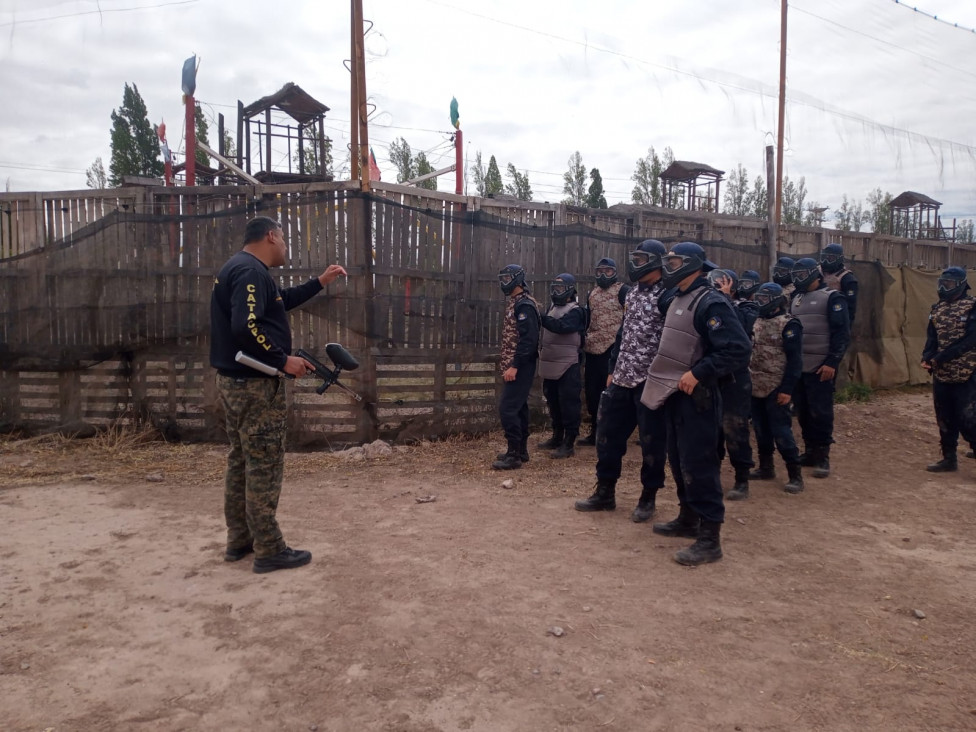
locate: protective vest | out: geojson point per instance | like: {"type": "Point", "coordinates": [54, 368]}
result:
{"type": "Point", "coordinates": [510, 336]}
{"type": "Point", "coordinates": [681, 347]}
{"type": "Point", "coordinates": [558, 351]}
{"type": "Point", "coordinates": [768, 362]}
{"type": "Point", "coordinates": [833, 280]}
{"type": "Point", "coordinates": [949, 320]}
{"type": "Point", "coordinates": [810, 308]}
{"type": "Point", "coordinates": [606, 315]}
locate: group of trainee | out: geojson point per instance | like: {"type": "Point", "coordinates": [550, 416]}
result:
{"type": "Point", "coordinates": [658, 355]}
{"type": "Point", "coordinates": [690, 355]}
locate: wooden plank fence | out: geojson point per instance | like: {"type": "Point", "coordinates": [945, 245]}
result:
{"type": "Point", "coordinates": [105, 313]}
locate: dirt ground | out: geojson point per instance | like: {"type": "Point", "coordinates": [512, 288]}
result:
{"type": "Point", "coordinates": [117, 611]}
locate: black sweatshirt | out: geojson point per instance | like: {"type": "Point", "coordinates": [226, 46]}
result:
{"type": "Point", "coordinates": [248, 312]}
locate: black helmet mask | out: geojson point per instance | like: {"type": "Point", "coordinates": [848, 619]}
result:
{"type": "Point", "coordinates": [510, 277]}
{"type": "Point", "coordinates": [645, 259]}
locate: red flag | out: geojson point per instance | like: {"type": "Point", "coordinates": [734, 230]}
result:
{"type": "Point", "coordinates": [374, 169]}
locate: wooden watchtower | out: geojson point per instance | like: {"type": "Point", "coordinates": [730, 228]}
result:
{"type": "Point", "coordinates": [916, 216]}
{"type": "Point", "coordinates": [278, 163]}
{"type": "Point", "coordinates": [691, 186]}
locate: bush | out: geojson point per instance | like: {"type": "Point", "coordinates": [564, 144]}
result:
{"type": "Point", "coordinates": [853, 392]}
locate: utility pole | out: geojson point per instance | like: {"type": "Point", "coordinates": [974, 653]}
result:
{"type": "Point", "coordinates": [782, 119]}
{"type": "Point", "coordinates": [360, 141]}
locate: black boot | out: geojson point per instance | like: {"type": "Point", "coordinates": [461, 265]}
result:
{"type": "Point", "coordinates": [589, 440]}
{"type": "Point", "coordinates": [796, 478]}
{"type": "Point", "coordinates": [740, 491]}
{"type": "Point", "coordinates": [707, 548]}
{"type": "Point", "coordinates": [686, 525]}
{"type": "Point", "coordinates": [821, 461]}
{"type": "Point", "coordinates": [511, 460]}
{"type": "Point", "coordinates": [553, 442]}
{"type": "Point", "coordinates": [948, 463]}
{"type": "Point", "coordinates": [645, 506]}
{"type": "Point", "coordinates": [565, 450]}
{"type": "Point", "coordinates": [523, 452]}
{"type": "Point", "coordinates": [806, 457]}
{"type": "Point", "coordinates": [603, 498]}
{"type": "Point", "coordinates": [766, 469]}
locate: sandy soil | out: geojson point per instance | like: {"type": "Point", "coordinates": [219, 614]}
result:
{"type": "Point", "coordinates": [117, 611]}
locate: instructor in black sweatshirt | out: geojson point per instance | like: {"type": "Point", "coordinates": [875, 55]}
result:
{"type": "Point", "coordinates": [248, 312]}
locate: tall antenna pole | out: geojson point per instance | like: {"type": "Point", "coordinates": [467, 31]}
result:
{"type": "Point", "coordinates": [353, 96]}
{"type": "Point", "coordinates": [361, 151]}
{"type": "Point", "coordinates": [782, 119]}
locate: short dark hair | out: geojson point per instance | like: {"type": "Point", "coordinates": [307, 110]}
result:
{"type": "Point", "coordinates": [258, 228]}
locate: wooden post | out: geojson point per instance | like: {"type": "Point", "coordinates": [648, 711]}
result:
{"type": "Point", "coordinates": [782, 115]}
{"type": "Point", "coordinates": [359, 80]}
{"type": "Point", "coordinates": [353, 93]}
{"type": "Point", "coordinates": [458, 162]}
{"type": "Point", "coordinates": [772, 219]}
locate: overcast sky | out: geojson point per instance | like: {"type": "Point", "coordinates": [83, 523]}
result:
{"type": "Point", "coordinates": [879, 95]}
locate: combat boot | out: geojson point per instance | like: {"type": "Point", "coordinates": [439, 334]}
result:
{"type": "Point", "coordinates": [553, 442]}
{"type": "Point", "coordinates": [686, 524]}
{"type": "Point", "coordinates": [796, 478]}
{"type": "Point", "coordinates": [603, 498]}
{"type": "Point", "coordinates": [565, 450]}
{"type": "Point", "coordinates": [645, 506]}
{"type": "Point", "coordinates": [806, 457]}
{"type": "Point", "coordinates": [589, 440]}
{"type": "Point", "coordinates": [510, 460]}
{"type": "Point", "coordinates": [740, 490]}
{"type": "Point", "coordinates": [821, 461]}
{"type": "Point", "coordinates": [523, 452]}
{"type": "Point", "coordinates": [948, 463]}
{"type": "Point", "coordinates": [766, 469]}
{"type": "Point", "coordinates": [707, 548]}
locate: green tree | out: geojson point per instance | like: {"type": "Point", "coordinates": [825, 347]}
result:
{"type": "Point", "coordinates": [202, 134]}
{"type": "Point", "coordinates": [879, 211]}
{"type": "Point", "coordinates": [519, 187]}
{"type": "Point", "coordinates": [135, 147]}
{"type": "Point", "coordinates": [849, 216]}
{"type": "Point", "coordinates": [230, 147]}
{"type": "Point", "coordinates": [402, 160]}
{"type": "Point", "coordinates": [760, 198]}
{"type": "Point", "coordinates": [311, 152]}
{"type": "Point", "coordinates": [647, 181]}
{"type": "Point", "coordinates": [423, 167]}
{"type": "Point", "coordinates": [738, 193]}
{"type": "Point", "coordinates": [676, 198]}
{"type": "Point", "coordinates": [594, 196]}
{"type": "Point", "coordinates": [794, 196]}
{"type": "Point", "coordinates": [493, 178]}
{"type": "Point", "coordinates": [95, 175]}
{"type": "Point", "coordinates": [574, 181]}
{"type": "Point", "coordinates": [965, 232]}
{"type": "Point", "coordinates": [478, 174]}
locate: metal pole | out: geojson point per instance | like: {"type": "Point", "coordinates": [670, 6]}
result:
{"type": "Point", "coordinates": [458, 163]}
{"type": "Point", "coordinates": [782, 118]}
{"type": "Point", "coordinates": [190, 168]}
{"type": "Point", "coordinates": [772, 228]}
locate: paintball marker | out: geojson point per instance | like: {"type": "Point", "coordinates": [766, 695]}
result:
{"type": "Point", "coordinates": [342, 360]}
{"type": "Point", "coordinates": [339, 356]}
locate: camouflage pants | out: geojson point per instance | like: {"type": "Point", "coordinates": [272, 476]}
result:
{"type": "Point", "coordinates": [255, 421]}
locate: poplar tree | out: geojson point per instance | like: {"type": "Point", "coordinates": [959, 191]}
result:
{"type": "Point", "coordinates": [135, 147]}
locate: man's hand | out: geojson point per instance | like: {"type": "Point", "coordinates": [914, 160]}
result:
{"type": "Point", "coordinates": [297, 367]}
{"type": "Point", "coordinates": [826, 372]}
{"type": "Point", "coordinates": [510, 373]}
{"type": "Point", "coordinates": [609, 380]}
{"type": "Point", "coordinates": [331, 272]}
{"type": "Point", "coordinates": [927, 365]}
{"type": "Point", "coordinates": [783, 399]}
{"type": "Point", "coordinates": [724, 285]}
{"type": "Point", "coordinates": [687, 382]}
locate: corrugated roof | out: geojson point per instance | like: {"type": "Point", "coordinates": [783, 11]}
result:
{"type": "Point", "coordinates": [686, 170]}
{"type": "Point", "coordinates": [293, 101]}
{"type": "Point", "coordinates": [911, 198]}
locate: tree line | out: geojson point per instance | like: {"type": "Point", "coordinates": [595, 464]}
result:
{"type": "Point", "coordinates": [135, 151]}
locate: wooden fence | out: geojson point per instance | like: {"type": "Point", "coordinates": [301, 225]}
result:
{"type": "Point", "coordinates": [105, 296]}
